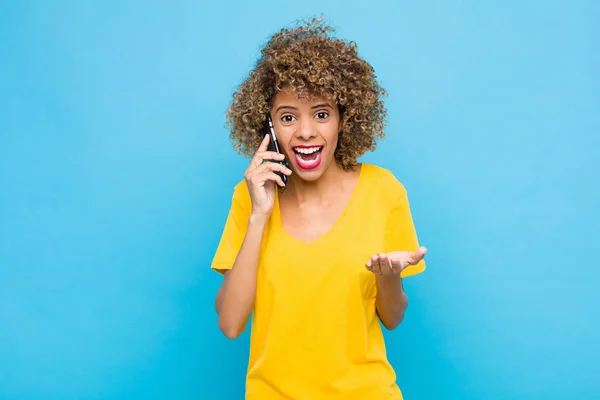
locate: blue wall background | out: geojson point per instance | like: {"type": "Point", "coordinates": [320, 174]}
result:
{"type": "Point", "coordinates": [116, 175]}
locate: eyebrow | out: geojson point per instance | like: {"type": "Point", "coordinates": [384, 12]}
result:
{"type": "Point", "coordinates": [285, 107]}
{"type": "Point", "coordinates": [294, 108]}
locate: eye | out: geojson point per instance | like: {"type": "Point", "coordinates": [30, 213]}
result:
{"type": "Point", "coordinates": [287, 118]}
{"type": "Point", "coordinates": [322, 115]}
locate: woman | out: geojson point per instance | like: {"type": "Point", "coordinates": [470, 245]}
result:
{"type": "Point", "coordinates": [321, 262]}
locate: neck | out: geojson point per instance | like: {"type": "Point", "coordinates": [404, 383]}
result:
{"type": "Point", "coordinates": [332, 181]}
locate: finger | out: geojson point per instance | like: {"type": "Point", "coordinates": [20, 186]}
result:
{"type": "Point", "coordinates": [387, 264]}
{"type": "Point", "coordinates": [376, 266]}
{"type": "Point", "coordinates": [416, 256]}
{"type": "Point", "coordinates": [370, 264]}
{"type": "Point", "coordinates": [278, 167]}
{"type": "Point", "coordinates": [276, 178]}
{"type": "Point", "coordinates": [270, 155]}
{"type": "Point", "coordinates": [264, 144]}
{"type": "Point", "coordinates": [257, 160]}
{"type": "Point", "coordinates": [270, 166]}
{"type": "Point", "coordinates": [396, 265]}
{"type": "Point", "coordinates": [264, 176]}
{"type": "Point", "coordinates": [384, 264]}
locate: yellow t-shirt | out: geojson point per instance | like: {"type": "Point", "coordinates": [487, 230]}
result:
{"type": "Point", "coordinates": [315, 332]}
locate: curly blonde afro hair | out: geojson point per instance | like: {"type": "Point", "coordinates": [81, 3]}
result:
{"type": "Point", "coordinates": [312, 63]}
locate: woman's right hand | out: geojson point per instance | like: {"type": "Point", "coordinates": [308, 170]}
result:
{"type": "Point", "coordinates": [262, 180]}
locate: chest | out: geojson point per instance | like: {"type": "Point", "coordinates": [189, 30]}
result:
{"type": "Point", "coordinates": [318, 244]}
{"type": "Point", "coordinates": [310, 222]}
{"type": "Point", "coordinates": [329, 270]}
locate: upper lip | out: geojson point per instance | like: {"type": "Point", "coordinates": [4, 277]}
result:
{"type": "Point", "coordinates": [306, 146]}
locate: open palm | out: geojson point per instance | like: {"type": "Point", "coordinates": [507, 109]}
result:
{"type": "Point", "coordinates": [394, 262]}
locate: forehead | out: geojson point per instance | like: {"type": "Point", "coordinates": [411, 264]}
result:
{"type": "Point", "coordinates": [289, 96]}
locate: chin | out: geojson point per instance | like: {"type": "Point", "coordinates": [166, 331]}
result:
{"type": "Point", "coordinates": [313, 174]}
{"type": "Point", "coordinates": [309, 176]}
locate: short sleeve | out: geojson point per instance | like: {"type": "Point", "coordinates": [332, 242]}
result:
{"type": "Point", "coordinates": [234, 231]}
{"type": "Point", "coordinates": [400, 232]}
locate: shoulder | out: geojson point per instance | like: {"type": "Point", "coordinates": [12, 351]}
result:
{"type": "Point", "coordinates": [241, 187]}
{"type": "Point", "coordinates": [383, 182]}
{"type": "Point", "coordinates": [241, 194]}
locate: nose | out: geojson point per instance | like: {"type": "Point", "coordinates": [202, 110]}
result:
{"type": "Point", "coordinates": [306, 129]}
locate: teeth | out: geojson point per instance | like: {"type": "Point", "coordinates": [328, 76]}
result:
{"type": "Point", "coordinates": [307, 150]}
{"type": "Point", "coordinates": [308, 163]}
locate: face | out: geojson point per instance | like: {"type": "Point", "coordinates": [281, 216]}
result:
{"type": "Point", "coordinates": [307, 131]}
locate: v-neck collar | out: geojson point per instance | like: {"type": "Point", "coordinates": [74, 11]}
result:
{"type": "Point", "coordinates": [335, 226]}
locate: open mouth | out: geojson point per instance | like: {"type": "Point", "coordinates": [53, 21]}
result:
{"type": "Point", "coordinates": [308, 157]}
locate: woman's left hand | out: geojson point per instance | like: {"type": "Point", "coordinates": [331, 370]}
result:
{"type": "Point", "coordinates": [395, 261]}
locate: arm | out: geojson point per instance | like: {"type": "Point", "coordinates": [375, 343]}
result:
{"type": "Point", "coordinates": [237, 293]}
{"type": "Point", "coordinates": [391, 301]}
{"type": "Point", "coordinates": [236, 296]}
{"type": "Point", "coordinates": [390, 267]}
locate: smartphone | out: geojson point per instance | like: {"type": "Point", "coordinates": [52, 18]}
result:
{"type": "Point", "coordinates": [274, 146]}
